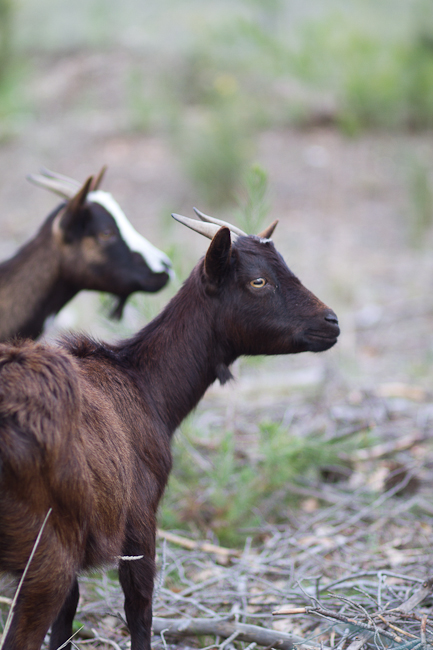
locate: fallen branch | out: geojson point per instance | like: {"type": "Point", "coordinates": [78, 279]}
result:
{"type": "Point", "coordinates": [226, 628]}
{"type": "Point", "coordinates": [387, 448]}
{"type": "Point", "coordinates": [416, 598]}
{"type": "Point", "coordinates": [413, 393]}
{"type": "Point", "coordinates": [395, 628]}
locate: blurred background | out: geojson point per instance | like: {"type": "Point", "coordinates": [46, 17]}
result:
{"type": "Point", "coordinates": [319, 114]}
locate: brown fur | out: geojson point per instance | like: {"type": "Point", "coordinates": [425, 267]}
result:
{"type": "Point", "coordinates": [85, 429]}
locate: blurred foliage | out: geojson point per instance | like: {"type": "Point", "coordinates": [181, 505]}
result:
{"type": "Point", "coordinates": [5, 36]}
{"type": "Point", "coordinates": [141, 106]}
{"type": "Point", "coordinates": [223, 485]}
{"type": "Point", "coordinates": [420, 210]}
{"type": "Point", "coordinates": [14, 107]}
{"type": "Point", "coordinates": [379, 82]}
{"type": "Point", "coordinates": [253, 203]}
{"type": "Point", "coordinates": [379, 71]}
{"type": "Point", "coordinates": [212, 76]}
{"type": "Point", "coordinates": [213, 149]}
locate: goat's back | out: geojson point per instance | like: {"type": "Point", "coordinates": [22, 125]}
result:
{"type": "Point", "coordinates": [61, 447]}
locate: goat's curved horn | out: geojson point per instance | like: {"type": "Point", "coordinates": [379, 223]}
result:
{"type": "Point", "coordinates": [60, 177]}
{"type": "Point", "coordinates": [267, 232]}
{"type": "Point", "coordinates": [206, 229]}
{"type": "Point", "coordinates": [58, 187]}
{"type": "Point", "coordinates": [62, 185]}
{"type": "Point", "coordinates": [219, 222]}
{"type": "Point", "coordinates": [97, 181]}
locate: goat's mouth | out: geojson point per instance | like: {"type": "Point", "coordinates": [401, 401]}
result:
{"type": "Point", "coordinates": [320, 341]}
{"type": "Point", "coordinates": [154, 282]}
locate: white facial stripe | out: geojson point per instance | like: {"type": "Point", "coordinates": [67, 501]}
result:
{"type": "Point", "coordinates": [156, 260]}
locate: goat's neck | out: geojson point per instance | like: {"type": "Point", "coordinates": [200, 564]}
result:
{"type": "Point", "coordinates": [179, 355]}
{"type": "Point", "coordinates": [34, 276]}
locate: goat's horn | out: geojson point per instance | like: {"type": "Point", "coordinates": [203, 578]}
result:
{"type": "Point", "coordinates": [267, 232]}
{"type": "Point", "coordinates": [97, 181]}
{"type": "Point", "coordinates": [58, 187]}
{"type": "Point", "coordinates": [206, 229]}
{"type": "Point", "coordinates": [219, 222]}
{"type": "Point", "coordinates": [59, 177]}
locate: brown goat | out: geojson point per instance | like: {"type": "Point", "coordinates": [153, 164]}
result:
{"type": "Point", "coordinates": [85, 428]}
{"type": "Point", "coordinates": [85, 243]}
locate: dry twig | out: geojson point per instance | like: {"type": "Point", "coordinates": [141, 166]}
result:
{"type": "Point", "coordinates": [206, 547]}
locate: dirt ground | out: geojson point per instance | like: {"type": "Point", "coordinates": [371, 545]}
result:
{"type": "Point", "coordinates": [347, 212]}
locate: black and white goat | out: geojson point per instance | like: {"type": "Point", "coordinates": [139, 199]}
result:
{"type": "Point", "coordinates": [85, 428]}
{"type": "Point", "coordinates": [85, 243]}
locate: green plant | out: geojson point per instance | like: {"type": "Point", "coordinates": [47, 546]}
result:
{"type": "Point", "coordinates": [222, 486]}
{"type": "Point", "coordinates": [380, 78]}
{"type": "Point", "coordinates": [252, 200]}
{"type": "Point", "coordinates": [418, 80]}
{"type": "Point", "coordinates": [5, 37]}
{"type": "Point", "coordinates": [140, 105]}
{"type": "Point", "coordinates": [13, 104]}
{"type": "Point", "coordinates": [421, 202]}
{"type": "Point", "coordinates": [214, 151]}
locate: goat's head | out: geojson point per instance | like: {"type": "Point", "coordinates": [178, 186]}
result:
{"type": "Point", "coordinates": [264, 307]}
{"type": "Point", "coordinates": [101, 250]}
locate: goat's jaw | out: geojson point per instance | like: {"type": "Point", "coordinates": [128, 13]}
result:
{"type": "Point", "coordinates": [320, 343]}
{"type": "Point", "coordinates": [316, 341]}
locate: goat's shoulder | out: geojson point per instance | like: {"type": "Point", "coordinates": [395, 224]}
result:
{"type": "Point", "coordinates": [32, 369]}
{"type": "Point", "coordinates": [40, 399]}
{"type": "Point", "coordinates": [85, 348]}
{"type": "Point", "coordinates": [98, 363]}
{"type": "Point", "coordinates": [105, 374]}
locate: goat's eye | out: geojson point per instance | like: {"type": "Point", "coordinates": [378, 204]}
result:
{"type": "Point", "coordinates": [258, 283]}
{"type": "Point", "coordinates": [106, 235]}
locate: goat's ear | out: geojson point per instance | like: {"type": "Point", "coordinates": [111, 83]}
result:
{"type": "Point", "coordinates": [73, 207]}
{"type": "Point", "coordinates": [217, 260]}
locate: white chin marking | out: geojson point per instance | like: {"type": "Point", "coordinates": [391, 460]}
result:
{"type": "Point", "coordinates": [156, 260]}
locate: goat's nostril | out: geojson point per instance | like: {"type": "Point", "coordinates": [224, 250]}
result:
{"type": "Point", "coordinates": [331, 318]}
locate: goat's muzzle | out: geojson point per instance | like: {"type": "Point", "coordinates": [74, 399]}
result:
{"type": "Point", "coordinates": [324, 334]}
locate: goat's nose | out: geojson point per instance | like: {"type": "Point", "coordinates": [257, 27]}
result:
{"type": "Point", "coordinates": [331, 317]}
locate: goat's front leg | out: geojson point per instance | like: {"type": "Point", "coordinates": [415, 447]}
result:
{"type": "Point", "coordinates": [136, 578]}
{"type": "Point", "coordinates": [61, 629]}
